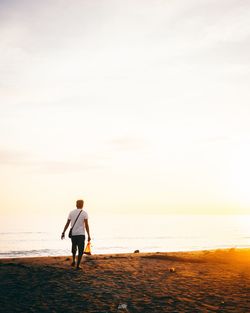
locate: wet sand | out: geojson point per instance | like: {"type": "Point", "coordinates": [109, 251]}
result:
{"type": "Point", "coordinates": [205, 281]}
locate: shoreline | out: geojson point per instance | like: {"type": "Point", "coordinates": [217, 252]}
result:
{"type": "Point", "coordinates": [247, 247]}
{"type": "Point", "coordinates": [195, 281]}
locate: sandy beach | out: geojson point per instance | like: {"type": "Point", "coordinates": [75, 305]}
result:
{"type": "Point", "coordinates": [204, 281]}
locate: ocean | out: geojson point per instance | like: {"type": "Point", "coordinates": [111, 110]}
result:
{"type": "Point", "coordinates": [123, 233]}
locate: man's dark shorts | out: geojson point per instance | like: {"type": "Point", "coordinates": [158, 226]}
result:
{"type": "Point", "coordinates": [78, 242]}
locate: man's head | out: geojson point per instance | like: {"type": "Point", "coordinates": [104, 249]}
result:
{"type": "Point", "coordinates": [79, 204]}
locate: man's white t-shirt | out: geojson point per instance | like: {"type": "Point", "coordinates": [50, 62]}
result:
{"type": "Point", "coordinates": [79, 228]}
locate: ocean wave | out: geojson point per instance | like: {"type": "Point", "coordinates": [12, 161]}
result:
{"type": "Point", "coordinates": [30, 253]}
{"type": "Point", "coordinates": [23, 233]}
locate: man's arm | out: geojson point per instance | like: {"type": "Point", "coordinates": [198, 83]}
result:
{"type": "Point", "coordinates": [87, 228]}
{"type": "Point", "coordinates": [65, 228]}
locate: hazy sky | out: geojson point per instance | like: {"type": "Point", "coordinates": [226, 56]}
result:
{"type": "Point", "coordinates": [135, 106]}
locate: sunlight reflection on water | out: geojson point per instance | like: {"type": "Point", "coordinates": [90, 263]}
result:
{"type": "Point", "coordinates": [126, 233]}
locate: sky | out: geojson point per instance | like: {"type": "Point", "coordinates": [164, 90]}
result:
{"type": "Point", "coordinates": [135, 106]}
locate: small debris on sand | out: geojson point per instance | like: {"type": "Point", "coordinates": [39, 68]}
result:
{"type": "Point", "coordinates": [172, 270]}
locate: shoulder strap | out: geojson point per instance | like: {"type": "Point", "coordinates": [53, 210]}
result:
{"type": "Point", "coordinates": [76, 219]}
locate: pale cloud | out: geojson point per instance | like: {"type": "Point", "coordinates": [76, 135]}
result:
{"type": "Point", "coordinates": [60, 51]}
{"type": "Point", "coordinates": [216, 140]}
{"type": "Point", "coordinates": [31, 163]}
{"type": "Point", "coordinates": [53, 167]}
{"type": "Point", "coordinates": [12, 157]}
{"type": "Point", "coordinates": [129, 143]}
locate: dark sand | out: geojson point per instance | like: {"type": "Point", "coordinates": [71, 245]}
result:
{"type": "Point", "coordinates": [206, 281]}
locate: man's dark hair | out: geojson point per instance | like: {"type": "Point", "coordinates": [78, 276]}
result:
{"type": "Point", "coordinates": [79, 203]}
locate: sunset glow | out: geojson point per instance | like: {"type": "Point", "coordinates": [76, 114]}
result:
{"type": "Point", "coordinates": [135, 106]}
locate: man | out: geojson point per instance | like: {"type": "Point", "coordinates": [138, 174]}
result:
{"type": "Point", "coordinates": [79, 219]}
